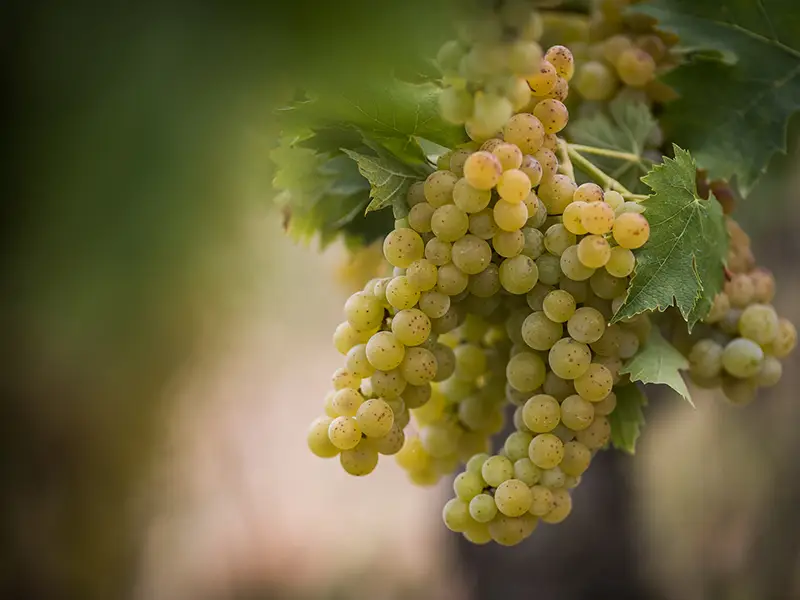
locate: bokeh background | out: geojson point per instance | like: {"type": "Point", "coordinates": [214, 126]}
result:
{"type": "Point", "coordinates": [165, 345]}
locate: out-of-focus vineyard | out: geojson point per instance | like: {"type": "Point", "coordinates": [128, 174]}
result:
{"type": "Point", "coordinates": [165, 346]}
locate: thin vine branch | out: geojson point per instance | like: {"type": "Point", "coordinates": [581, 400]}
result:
{"type": "Point", "coordinates": [564, 162]}
{"type": "Point", "coordinates": [588, 167]}
{"type": "Point", "coordinates": [628, 156]}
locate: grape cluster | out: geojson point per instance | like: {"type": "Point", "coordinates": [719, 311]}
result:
{"type": "Point", "coordinates": [743, 339]}
{"type": "Point", "coordinates": [624, 55]}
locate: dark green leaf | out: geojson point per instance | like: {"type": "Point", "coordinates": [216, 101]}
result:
{"type": "Point", "coordinates": [732, 111]}
{"type": "Point", "coordinates": [659, 362]}
{"type": "Point", "coordinates": [683, 262]}
{"type": "Point", "coordinates": [389, 181]}
{"type": "Point", "coordinates": [627, 418]}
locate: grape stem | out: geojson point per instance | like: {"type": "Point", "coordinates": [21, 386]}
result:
{"type": "Point", "coordinates": [564, 162]}
{"type": "Point", "coordinates": [629, 156]}
{"type": "Point", "coordinates": [588, 167]}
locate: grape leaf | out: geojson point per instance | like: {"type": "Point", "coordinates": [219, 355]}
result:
{"type": "Point", "coordinates": [683, 262]}
{"type": "Point", "coordinates": [389, 181]}
{"type": "Point", "coordinates": [659, 362]}
{"type": "Point", "coordinates": [741, 85]}
{"type": "Point", "coordinates": [626, 128]}
{"type": "Point", "coordinates": [627, 417]}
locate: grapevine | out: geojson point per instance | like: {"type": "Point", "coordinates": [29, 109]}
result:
{"type": "Point", "coordinates": [529, 275]}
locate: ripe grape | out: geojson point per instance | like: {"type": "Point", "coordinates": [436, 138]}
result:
{"type": "Point", "coordinates": [510, 531]}
{"type": "Point", "coordinates": [449, 223]}
{"type": "Point", "coordinates": [455, 105]}
{"type": "Point", "coordinates": [318, 441]}
{"type": "Point", "coordinates": [539, 332]}
{"type": "Point", "coordinates": [770, 372]}
{"type": "Point", "coordinates": [451, 280]}
{"type": "Point", "coordinates": [483, 225]}
{"type": "Point", "coordinates": [526, 471]}
{"type": "Point", "coordinates": [418, 366]}
{"type": "Point", "coordinates": [471, 254]}
{"type": "Point", "coordinates": [356, 361]}
{"type": "Point", "coordinates": [549, 269]}
{"type": "Point", "coordinates": [738, 391]}
{"type": "Point", "coordinates": [606, 286]}
{"type": "Point", "coordinates": [455, 515]}
{"type": "Point", "coordinates": [482, 508]}
{"type": "Point", "coordinates": [485, 284]}
{"type": "Point", "coordinates": [384, 351]}
{"type": "Point", "coordinates": [491, 111]}
{"type": "Point", "coordinates": [621, 262]}
{"type": "Point", "coordinates": [542, 500]}
{"type": "Point", "coordinates": [475, 463]}
{"type": "Point", "coordinates": [595, 384]}
{"type": "Point", "coordinates": [558, 238]}
{"type": "Point", "coordinates": [467, 485]}
{"type": "Point", "coordinates": [419, 217]}
{"type": "Point", "coordinates": [482, 170]}
{"type": "Point", "coordinates": [569, 358]}
{"type": "Point", "coordinates": [510, 216]}
{"type": "Point", "coordinates": [344, 433]}
{"type": "Point", "coordinates": [402, 247]}
{"type": "Point", "coordinates": [635, 67]}
{"type": "Point", "coordinates": [759, 322]}
{"type": "Point", "coordinates": [514, 185]}
{"type": "Point", "coordinates": [587, 325]}
{"type": "Point", "coordinates": [596, 435]}
{"type": "Point", "coordinates": [553, 478]}
{"type": "Point", "coordinates": [556, 193]}
{"type": "Point", "coordinates": [594, 251]}
{"type": "Point", "coordinates": [415, 396]}
{"type": "Point", "coordinates": [513, 498]}
{"type": "Point", "coordinates": [342, 378]}
{"type": "Point", "coordinates": [578, 289]}
{"type": "Point", "coordinates": [509, 243]}
{"type": "Point", "coordinates": [525, 371]}
{"type": "Point", "coordinates": [548, 161]}
{"type": "Point", "coordinates": [572, 216]}
{"type": "Point", "coordinates": [785, 341]}
{"type": "Point", "coordinates": [531, 167]}
{"type": "Point", "coordinates": [533, 242]}
{"type": "Point", "coordinates": [595, 81]}
{"type": "Point", "coordinates": [525, 131]}
{"type": "Point", "coordinates": [516, 445]}
{"type": "Point", "coordinates": [415, 194]}
{"type": "Point", "coordinates": [742, 358]}
{"type": "Point", "coordinates": [631, 230]}
{"type": "Point", "coordinates": [546, 451]}
{"type": "Point", "coordinates": [597, 218]}
{"type": "Point", "coordinates": [509, 155]}
{"type": "Point", "coordinates": [544, 80]}
{"type": "Point", "coordinates": [519, 274]}
{"type": "Point", "coordinates": [541, 413]}
{"type": "Point", "coordinates": [572, 267]}
{"type": "Point", "coordinates": [468, 198]}
{"type": "Point", "coordinates": [763, 285]}
{"type": "Point", "coordinates": [434, 304]}
{"type": "Point", "coordinates": [359, 461]}
{"type": "Point", "coordinates": [497, 469]}
{"type": "Point", "coordinates": [562, 508]}
{"type": "Point", "coordinates": [606, 406]}
{"type": "Point", "coordinates": [388, 384]}
{"type": "Point", "coordinates": [561, 58]}
{"type": "Point", "coordinates": [552, 114]}
{"type": "Point", "coordinates": [346, 401]}
{"type": "Point", "coordinates": [438, 252]}
{"type": "Point", "coordinates": [559, 306]}
{"type": "Point", "coordinates": [375, 417]}
{"type": "Point", "coordinates": [401, 294]}
{"type": "Point", "coordinates": [439, 187]}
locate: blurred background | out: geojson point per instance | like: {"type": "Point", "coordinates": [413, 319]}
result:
{"type": "Point", "coordinates": [165, 346]}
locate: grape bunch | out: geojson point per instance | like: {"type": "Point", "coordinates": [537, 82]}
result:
{"type": "Point", "coordinates": [739, 347]}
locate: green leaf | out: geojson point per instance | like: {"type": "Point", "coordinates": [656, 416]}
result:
{"type": "Point", "coordinates": [389, 181]}
{"type": "Point", "coordinates": [659, 362]}
{"type": "Point", "coordinates": [393, 114]}
{"type": "Point", "coordinates": [683, 262]}
{"type": "Point", "coordinates": [626, 128]}
{"type": "Point", "coordinates": [627, 418]}
{"type": "Point", "coordinates": [732, 111]}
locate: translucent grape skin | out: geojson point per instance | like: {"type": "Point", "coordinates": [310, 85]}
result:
{"type": "Point", "coordinates": [384, 351]}
{"type": "Point", "coordinates": [468, 198]}
{"type": "Point", "coordinates": [631, 230]}
{"type": "Point", "coordinates": [556, 192]}
{"type": "Point", "coordinates": [540, 332]}
{"type": "Point", "coordinates": [559, 306]}
{"type": "Point", "coordinates": [497, 469]}
{"type": "Point", "coordinates": [621, 262]}
{"type": "Point", "coordinates": [595, 81]}
{"type": "Point", "coordinates": [344, 433]}
{"type": "Point", "coordinates": [359, 461]}
{"type": "Point", "coordinates": [439, 187]}
{"type": "Point", "coordinates": [552, 114]}
{"type": "Point", "coordinates": [471, 254]}
{"type": "Point", "coordinates": [482, 170]}
{"type": "Point", "coordinates": [546, 451]}
{"type": "Point", "coordinates": [597, 218]}
{"type": "Point", "coordinates": [595, 384]}
{"type": "Point", "coordinates": [594, 251]}
{"type": "Point", "coordinates": [742, 358]}
{"type": "Point", "coordinates": [402, 247]}
{"type": "Point", "coordinates": [449, 223]}
{"type": "Point", "coordinates": [525, 131]}
{"type": "Point", "coordinates": [544, 80]}
{"type": "Point", "coordinates": [519, 274]}
{"type": "Point", "coordinates": [513, 498]}
{"type": "Point", "coordinates": [569, 358]}
{"type": "Point", "coordinates": [562, 60]}
{"type": "Point", "coordinates": [318, 441]}
{"type": "Point", "coordinates": [510, 216]}
{"type": "Point", "coordinates": [541, 413]}
{"type": "Point", "coordinates": [514, 186]}
{"type": "Point", "coordinates": [759, 322]}
{"type": "Point", "coordinates": [635, 67]}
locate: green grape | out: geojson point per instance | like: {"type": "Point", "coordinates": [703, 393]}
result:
{"type": "Point", "coordinates": [763, 285]}
{"type": "Point", "coordinates": [510, 157]}
{"type": "Point", "coordinates": [628, 344]}
{"type": "Point", "coordinates": [388, 384]}
{"type": "Point", "coordinates": [510, 531]}
{"type": "Point", "coordinates": [457, 160]}
{"type": "Point", "coordinates": [572, 216]}
{"type": "Point", "coordinates": [557, 387]}
{"type": "Point", "coordinates": [401, 294]}
{"type": "Point", "coordinates": [439, 187]}
{"type": "Point", "coordinates": [477, 533]}
{"type": "Point", "coordinates": [415, 396]}
{"type": "Point", "coordinates": [544, 80]}
{"type": "Point", "coordinates": [514, 185]}
{"type": "Point", "coordinates": [561, 58]}
{"type": "Point", "coordinates": [375, 418]}
{"type": "Point", "coordinates": [740, 290]}
{"type": "Point", "coordinates": [449, 223]}
{"type": "Point", "coordinates": [516, 445]}
{"type": "Point", "coordinates": [549, 269]}
{"type": "Point", "coordinates": [389, 444]}
{"type": "Point", "coordinates": [359, 461]}
{"type": "Point", "coordinates": [738, 391]}
{"type": "Point", "coordinates": [514, 323]}
{"type": "Point", "coordinates": [533, 242]}
{"type": "Point", "coordinates": [606, 286]}
{"type": "Point", "coordinates": [770, 372]}
{"type": "Point", "coordinates": [419, 217]}
{"type": "Point", "coordinates": [785, 341]}
{"type": "Point", "coordinates": [549, 163]}
{"type": "Point", "coordinates": [455, 105]}
{"type": "Point", "coordinates": [455, 515]}
{"type": "Point", "coordinates": [546, 451]}
{"type": "Point", "coordinates": [482, 508]}
{"type": "Point", "coordinates": [558, 306]}
{"type": "Point", "coordinates": [629, 207]}
{"type": "Point", "coordinates": [631, 230]}
{"type": "Point", "coordinates": [513, 498]}
{"type": "Point", "coordinates": [516, 398]}
{"type": "Point", "coordinates": [470, 361]}
{"type": "Point", "coordinates": [525, 371]}
{"type": "Point", "coordinates": [385, 351]}
{"type": "Point", "coordinates": [563, 506]}
{"type": "Point", "coordinates": [492, 144]}
{"type": "Point", "coordinates": [531, 167]}
{"type": "Point", "coordinates": [569, 358]}
{"type": "Point", "coordinates": [606, 406]}
{"type": "Point", "coordinates": [422, 275]}
{"type": "Point", "coordinates": [363, 311]}
{"type": "Point", "coordinates": [597, 218]}
{"type": "Point", "coordinates": [412, 456]}
{"type": "Point", "coordinates": [519, 274]}
{"type": "Point", "coordinates": [615, 45]}
{"type": "Point", "coordinates": [572, 267]}
{"type": "Point", "coordinates": [535, 219]}
{"type": "Point", "coordinates": [621, 262]}
{"type": "Point", "coordinates": [705, 359]}
{"type": "Point", "coordinates": [519, 93]}
{"type": "Point", "coordinates": [553, 478]}
{"type": "Point", "coordinates": [613, 199]}
{"type": "Point", "coordinates": [556, 193]}
{"type": "Point", "coordinates": [470, 199]}
{"type": "Point", "coordinates": [451, 280]}
{"type": "Point", "coordinates": [357, 363]}
{"type": "Point", "coordinates": [596, 435]}
{"type": "Point", "coordinates": [474, 413]}
{"type": "Point", "coordinates": [524, 131]}
{"type": "Point", "coordinates": [578, 289]}
{"type": "Point", "coordinates": [608, 344]}
{"type": "Point", "coordinates": [526, 471]}
{"type": "Point", "coordinates": [486, 283]}
{"type": "Point", "coordinates": [439, 440]}
{"type": "Point", "coordinates": [491, 111]}
{"type": "Point", "coordinates": [467, 485]}
{"type": "Point", "coordinates": [433, 304]}
{"type": "Point", "coordinates": [346, 401]}
{"type": "Point", "coordinates": [418, 366]}
{"type": "Point", "coordinates": [635, 67]}
{"type": "Point", "coordinates": [541, 413]}
{"type": "Point", "coordinates": [342, 378]}
{"type": "Point", "coordinates": [438, 252]}
{"type": "Point", "coordinates": [497, 469]}
{"type": "Point", "coordinates": [416, 194]}
{"type": "Point", "coordinates": [742, 358]}
{"type": "Point", "coordinates": [594, 251]}
{"type": "Point", "coordinates": [759, 323]}
{"type": "Point", "coordinates": [558, 238]}
{"type": "Point", "coordinates": [449, 56]}
{"type": "Point", "coordinates": [344, 433]}
{"type": "Point", "coordinates": [471, 254]}
{"type": "Point", "coordinates": [451, 319]}
{"type": "Point", "coordinates": [509, 243]}
{"type": "Point", "coordinates": [595, 81]}
{"type": "Point", "coordinates": [510, 216]}
{"type": "Point", "coordinates": [523, 55]}
{"type": "Point", "coordinates": [552, 114]}
{"type": "Point", "coordinates": [483, 225]}
{"type": "Point", "coordinates": [564, 433]}
{"type": "Point", "coordinates": [402, 247]}
{"type": "Point", "coordinates": [329, 410]}
{"type": "Point", "coordinates": [482, 170]}
{"type": "Point", "coordinates": [587, 325]}
{"type": "Point", "coordinates": [595, 384]}
{"type": "Point", "coordinates": [318, 441]}
{"type": "Point", "coordinates": [542, 501]}
{"type": "Point", "coordinates": [475, 463]}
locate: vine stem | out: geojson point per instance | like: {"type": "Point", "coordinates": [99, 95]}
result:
{"type": "Point", "coordinates": [564, 162]}
{"type": "Point", "coordinates": [630, 157]}
{"type": "Point", "coordinates": [588, 167]}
